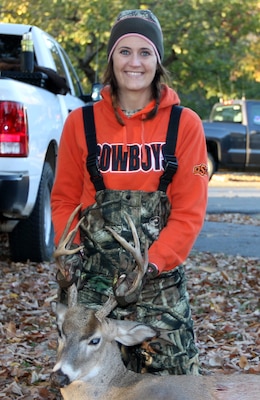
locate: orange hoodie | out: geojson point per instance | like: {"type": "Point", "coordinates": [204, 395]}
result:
{"type": "Point", "coordinates": [187, 192]}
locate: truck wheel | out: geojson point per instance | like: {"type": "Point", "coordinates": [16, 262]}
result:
{"type": "Point", "coordinates": [211, 165]}
{"type": "Point", "coordinates": [32, 238]}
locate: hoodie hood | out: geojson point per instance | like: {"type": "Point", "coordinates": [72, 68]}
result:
{"type": "Point", "coordinates": [168, 98]}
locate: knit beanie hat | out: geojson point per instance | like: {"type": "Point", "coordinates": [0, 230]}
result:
{"type": "Point", "coordinates": [142, 23]}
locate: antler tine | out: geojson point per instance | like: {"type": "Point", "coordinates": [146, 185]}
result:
{"type": "Point", "coordinates": [68, 225]}
{"type": "Point", "coordinates": [66, 240]}
{"type": "Point", "coordinates": [106, 309]}
{"type": "Point", "coordinates": [72, 295]}
{"type": "Point", "coordinates": [64, 249]}
{"type": "Point", "coordinates": [136, 251]}
{"type": "Point", "coordinates": [142, 263]}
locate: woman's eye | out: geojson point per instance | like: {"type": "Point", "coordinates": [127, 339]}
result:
{"type": "Point", "coordinates": [145, 53]}
{"type": "Point", "coordinates": [124, 52]}
{"type": "Point", "coordinates": [94, 341]}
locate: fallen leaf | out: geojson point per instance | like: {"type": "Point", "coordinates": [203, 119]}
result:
{"type": "Point", "coordinates": [225, 275]}
{"type": "Point", "coordinates": [243, 363]}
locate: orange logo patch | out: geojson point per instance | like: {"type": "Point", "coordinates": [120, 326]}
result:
{"type": "Point", "coordinates": [201, 169]}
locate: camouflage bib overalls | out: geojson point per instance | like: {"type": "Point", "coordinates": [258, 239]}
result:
{"type": "Point", "coordinates": [164, 301]}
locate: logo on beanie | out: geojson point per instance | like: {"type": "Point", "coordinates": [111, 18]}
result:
{"type": "Point", "coordinates": [145, 14]}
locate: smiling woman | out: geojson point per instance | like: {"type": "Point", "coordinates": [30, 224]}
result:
{"type": "Point", "coordinates": [124, 139]}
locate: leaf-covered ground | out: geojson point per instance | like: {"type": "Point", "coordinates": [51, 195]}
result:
{"type": "Point", "coordinates": [224, 292]}
{"type": "Point", "coordinates": [27, 332]}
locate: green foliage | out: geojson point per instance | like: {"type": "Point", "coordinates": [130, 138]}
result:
{"type": "Point", "coordinates": [212, 48]}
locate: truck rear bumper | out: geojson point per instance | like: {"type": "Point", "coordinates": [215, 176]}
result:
{"type": "Point", "coordinates": [14, 189]}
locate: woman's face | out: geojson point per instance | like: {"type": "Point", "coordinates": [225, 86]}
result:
{"type": "Point", "coordinates": [134, 64]}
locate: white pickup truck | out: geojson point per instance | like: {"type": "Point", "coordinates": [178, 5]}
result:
{"type": "Point", "coordinates": [33, 108]}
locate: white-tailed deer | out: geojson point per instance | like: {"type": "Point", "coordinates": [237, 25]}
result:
{"type": "Point", "coordinates": [89, 364]}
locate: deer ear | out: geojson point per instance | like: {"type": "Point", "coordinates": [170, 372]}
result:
{"type": "Point", "coordinates": [59, 310]}
{"type": "Point", "coordinates": [131, 333]}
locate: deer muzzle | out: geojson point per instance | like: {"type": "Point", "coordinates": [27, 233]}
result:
{"type": "Point", "coordinates": [59, 379]}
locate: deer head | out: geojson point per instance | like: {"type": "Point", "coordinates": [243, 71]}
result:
{"type": "Point", "coordinates": [87, 346]}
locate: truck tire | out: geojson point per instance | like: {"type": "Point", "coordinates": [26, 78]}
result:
{"type": "Point", "coordinates": [211, 165]}
{"type": "Point", "coordinates": [32, 238]}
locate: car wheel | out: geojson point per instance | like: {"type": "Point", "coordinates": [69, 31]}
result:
{"type": "Point", "coordinates": [211, 166]}
{"type": "Point", "coordinates": [32, 238]}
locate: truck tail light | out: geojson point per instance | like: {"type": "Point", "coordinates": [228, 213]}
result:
{"type": "Point", "coordinates": [13, 130]}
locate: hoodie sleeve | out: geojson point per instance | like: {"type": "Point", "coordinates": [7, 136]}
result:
{"type": "Point", "coordinates": [187, 194]}
{"type": "Point", "coordinates": [67, 189]}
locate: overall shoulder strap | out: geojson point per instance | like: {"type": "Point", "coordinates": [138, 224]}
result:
{"type": "Point", "coordinates": [170, 162]}
{"type": "Point", "coordinates": [91, 141]}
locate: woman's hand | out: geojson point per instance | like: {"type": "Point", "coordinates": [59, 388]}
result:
{"type": "Point", "coordinates": [126, 287]}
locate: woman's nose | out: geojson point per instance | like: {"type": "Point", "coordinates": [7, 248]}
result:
{"type": "Point", "coordinates": [134, 59]}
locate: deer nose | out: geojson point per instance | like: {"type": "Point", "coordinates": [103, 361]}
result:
{"type": "Point", "coordinates": [59, 379]}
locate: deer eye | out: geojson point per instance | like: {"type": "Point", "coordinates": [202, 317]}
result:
{"type": "Point", "coordinates": [94, 342]}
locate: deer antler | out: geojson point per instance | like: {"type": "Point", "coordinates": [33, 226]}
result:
{"type": "Point", "coordinates": [106, 309]}
{"type": "Point", "coordinates": [142, 264]}
{"type": "Point", "coordinates": [63, 249]}
{"type": "Point", "coordinates": [66, 240]}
